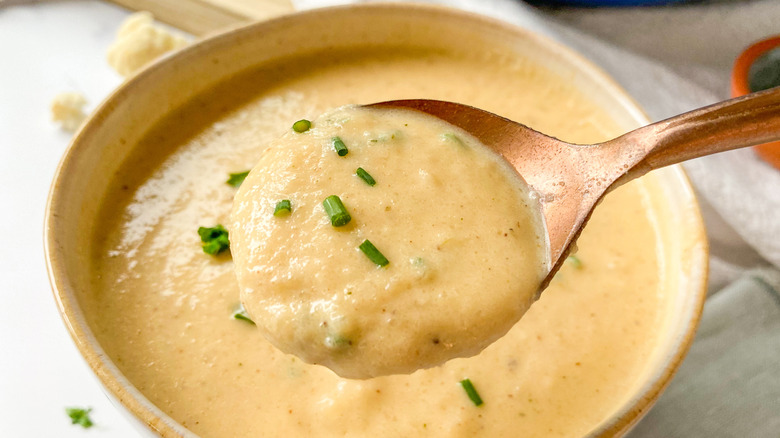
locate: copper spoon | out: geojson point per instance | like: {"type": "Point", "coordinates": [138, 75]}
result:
{"type": "Point", "coordinates": [571, 179]}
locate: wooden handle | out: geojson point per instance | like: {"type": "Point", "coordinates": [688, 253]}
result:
{"type": "Point", "coordinates": [202, 17]}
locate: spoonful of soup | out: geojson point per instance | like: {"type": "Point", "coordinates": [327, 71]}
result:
{"type": "Point", "coordinates": [571, 179]}
{"type": "Point", "coordinates": [391, 237]}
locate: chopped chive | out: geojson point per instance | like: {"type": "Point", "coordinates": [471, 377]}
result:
{"type": "Point", "coordinates": [283, 208]}
{"type": "Point", "coordinates": [471, 391]}
{"type": "Point", "coordinates": [337, 341]}
{"type": "Point", "coordinates": [301, 126]}
{"type": "Point", "coordinates": [365, 176]}
{"type": "Point", "coordinates": [373, 254]}
{"type": "Point", "coordinates": [453, 138]}
{"type": "Point", "coordinates": [242, 315]}
{"type": "Point", "coordinates": [339, 146]}
{"type": "Point", "coordinates": [215, 239]}
{"type": "Point", "coordinates": [236, 179]}
{"type": "Point", "coordinates": [338, 214]}
{"type": "Point", "coordinates": [575, 261]}
{"type": "Point", "coordinates": [80, 416]}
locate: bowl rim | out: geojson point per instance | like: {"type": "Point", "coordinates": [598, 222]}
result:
{"type": "Point", "coordinates": [158, 421]}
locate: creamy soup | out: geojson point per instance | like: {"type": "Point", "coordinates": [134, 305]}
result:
{"type": "Point", "coordinates": [163, 309]}
{"type": "Point", "coordinates": [380, 241]}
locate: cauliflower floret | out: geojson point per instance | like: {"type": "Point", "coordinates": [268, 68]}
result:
{"type": "Point", "coordinates": [139, 42]}
{"type": "Point", "coordinates": [68, 110]}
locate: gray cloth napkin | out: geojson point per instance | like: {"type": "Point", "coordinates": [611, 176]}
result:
{"type": "Point", "coordinates": [671, 60]}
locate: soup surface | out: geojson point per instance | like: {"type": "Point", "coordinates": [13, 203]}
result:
{"type": "Point", "coordinates": [162, 309]}
{"type": "Point", "coordinates": [455, 252]}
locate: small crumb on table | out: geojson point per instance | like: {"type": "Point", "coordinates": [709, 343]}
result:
{"type": "Point", "coordinates": [67, 109]}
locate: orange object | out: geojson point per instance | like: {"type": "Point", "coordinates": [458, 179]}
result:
{"type": "Point", "coordinates": [769, 152]}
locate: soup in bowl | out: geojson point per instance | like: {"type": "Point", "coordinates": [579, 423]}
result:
{"type": "Point", "coordinates": [160, 321]}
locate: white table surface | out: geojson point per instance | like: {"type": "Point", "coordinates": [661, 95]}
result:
{"type": "Point", "coordinates": [52, 47]}
{"type": "Point", "coordinates": [41, 372]}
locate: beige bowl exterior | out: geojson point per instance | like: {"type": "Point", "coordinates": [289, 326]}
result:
{"type": "Point", "coordinates": [100, 147]}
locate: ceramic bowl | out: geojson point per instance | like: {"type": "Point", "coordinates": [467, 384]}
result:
{"type": "Point", "coordinates": [106, 140]}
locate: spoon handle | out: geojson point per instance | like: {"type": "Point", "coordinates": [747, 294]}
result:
{"type": "Point", "coordinates": [744, 121]}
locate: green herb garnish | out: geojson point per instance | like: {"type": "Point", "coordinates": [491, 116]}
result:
{"type": "Point", "coordinates": [241, 314]}
{"type": "Point", "coordinates": [575, 261]}
{"type": "Point", "coordinates": [236, 179]}
{"type": "Point", "coordinates": [80, 416]}
{"type": "Point", "coordinates": [373, 254]}
{"type": "Point", "coordinates": [283, 208]}
{"type": "Point", "coordinates": [365, 176]}
{"type": "Point", "coordinates": [339, 146]}
{"type": "Point", "coordinates": [301, 126]}
{"type": "Point", "coordinates": [338, 214]}
{"type": "Point", "coordinates": [337, 341]}
{"type": "Point", "coordinates": [471, 391]}
{"type": "Point", "coordinates": [215, 240]}
{"type": "Point", "coordinates": [453, 138]}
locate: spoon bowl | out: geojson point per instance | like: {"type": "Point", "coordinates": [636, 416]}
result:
{"type": "Point", "coordinates": [571, 179]}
